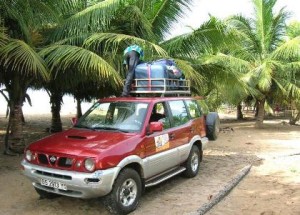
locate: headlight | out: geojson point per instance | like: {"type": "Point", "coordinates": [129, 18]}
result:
{"type": "Point", "coordinates": [89, 164]}
{"type": "Point", "coordinates": [28, 155]}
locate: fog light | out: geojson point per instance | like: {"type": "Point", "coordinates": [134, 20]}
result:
{"type": "Point", "coordinates": [78, 164]}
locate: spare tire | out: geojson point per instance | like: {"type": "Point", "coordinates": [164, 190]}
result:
{"type": "Point", "coordinates": [212, 125]}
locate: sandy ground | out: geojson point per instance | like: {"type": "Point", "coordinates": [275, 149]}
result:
{"type": "Point", "coordinates": [271, 187]}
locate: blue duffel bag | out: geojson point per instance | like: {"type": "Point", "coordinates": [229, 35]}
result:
{"type": "Point", "coordinates": [159, 69]}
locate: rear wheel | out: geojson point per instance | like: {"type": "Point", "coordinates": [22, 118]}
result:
{"type": "Point", "coordinates": [46, 195]}
{"type": "Point", "coordinates": [192, 163]}
{"type": "Point", "coordinates": [126, 193]}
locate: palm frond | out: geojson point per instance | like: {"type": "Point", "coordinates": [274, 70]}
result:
{"type": "Point", "coordinates": [277, 31]}
{"type": "Point", "coordinates": [165, 13]}
{"type": "Point", "coordinates": [269, 27]}
{"type": "Point", "coordinates": [290, 50]}
{"type": "Point", "coordinates": [264, 77]}
{"type": "Point", "coordinates": [3, 35]}
{"type": "Point", "coordinates": [20, 57]}
{"type": "Point", "coordinates": [116, 43]}
{"type": "Point", "coordinates": [232, 63]}
{"type": "Point", "coordinates": [30, 16]}
{"type": "Point", "coordinates": [4, 95]}
{"type": "Point", "coordinates": [292, 66]}
{"type": "Point", "coordinates": [14, 14]}
{"type": "Point", "coordinates": [75, 40]}
{"type": "Point", "coordinates": [242, 28]}
{"type": "Point", "coordinates": [209, 36]}
{"type": "Point", "coordinates": [95, 18]}
{"type": "Point", "coordinates": [293, 29]}
{"type": "Point", "coordinates": [190, 73]}
{"type": "Point", "coordinates": [291, 90]}
{"type": "Point", "coordinates": [78, 63]}
{"type": "Point", "coordinates": [132, 21]}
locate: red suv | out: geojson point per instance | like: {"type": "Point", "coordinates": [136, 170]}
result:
{"type": "Point", "coordinates": [119, 147]}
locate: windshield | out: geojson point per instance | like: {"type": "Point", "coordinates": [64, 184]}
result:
{"type": "Point", "coordinates": [115, 116]}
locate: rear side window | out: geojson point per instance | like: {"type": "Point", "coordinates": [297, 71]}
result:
{"type": "Point", "coordinates": [179, 112]}
{"type": "Point", "coordinates": [193, 108]}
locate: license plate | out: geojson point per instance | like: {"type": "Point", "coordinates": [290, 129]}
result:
{"type": "Point", "coordinates": [54, 184]}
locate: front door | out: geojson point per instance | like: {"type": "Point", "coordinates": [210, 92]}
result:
{"type": "Point", "coordinates": [160, 147]}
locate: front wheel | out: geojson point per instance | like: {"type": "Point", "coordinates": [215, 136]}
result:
{"type": "Point", "coordinates": [125, 195]}
{"type": "Point", "coordinates": [192, 163]}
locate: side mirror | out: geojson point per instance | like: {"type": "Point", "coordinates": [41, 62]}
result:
{"type": "Point", "coordinates": [74, 120]}
{"type": "Point", "coordinates": [155, 126]}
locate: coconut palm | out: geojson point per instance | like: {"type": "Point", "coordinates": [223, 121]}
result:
{"type": "Point", "coordinates": [220, 85]}
{"type": "Point", "coordinates": [20, 66]}
{"type": "Point", "coordinates": [28, 24]}
{"type": "Point", "coordinates": [261, 53]}
{"type": "Point", "coordinates": [293, 32]}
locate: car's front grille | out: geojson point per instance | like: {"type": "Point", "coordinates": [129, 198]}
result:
{"type": "Point", "coordinates": [43, 158]}
{"type": "Point", "coordinates": [66, 177]}
{"type": "Point", "coordinates": [53, 160]}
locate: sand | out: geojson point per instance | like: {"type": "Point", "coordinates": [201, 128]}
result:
{"type": "Point", "coordinates": [271, 187]}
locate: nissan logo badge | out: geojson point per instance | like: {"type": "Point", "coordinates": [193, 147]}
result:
{"type": "Point", "coordinates": [52, 159]}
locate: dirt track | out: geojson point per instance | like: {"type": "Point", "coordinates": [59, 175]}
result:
{"type": "Point", "coordinates": [271, 187]}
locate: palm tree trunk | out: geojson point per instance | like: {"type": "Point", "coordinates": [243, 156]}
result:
{"type": "Point", "coordinates": [239, 113]}
{"type": "Point", "coordinates": [14, 140]}
{"type": "Point", "coordinates": [56, 100]}
{"type": "Point", "coordinates": [294, 119]}
{"type": "Point", "coordinates": [79, 110]}
{"type": "Point", "coordinates": [260, 113]}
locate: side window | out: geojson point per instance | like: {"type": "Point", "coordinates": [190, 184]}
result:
{"type": "Point", "coordinates": [159, 113]}
{"type": "Point", "coordinates": [193, 108]}
{"type": "Point", "coordinates": [179, 112]}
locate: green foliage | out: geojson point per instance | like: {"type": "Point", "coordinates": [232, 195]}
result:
{"type": "Point", "coordinates": [17, 56]}
{"type": "Point", "coordinates": [293, 29]}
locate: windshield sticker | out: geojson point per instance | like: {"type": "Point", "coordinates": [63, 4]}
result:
{"type": "Point", "coordinates": [162, 142]}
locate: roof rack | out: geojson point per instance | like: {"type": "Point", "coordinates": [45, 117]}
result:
{"type": "Point", "coordinates": [161, 87]}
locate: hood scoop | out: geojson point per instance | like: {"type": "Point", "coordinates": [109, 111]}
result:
{"type": "Point", "coordinates": [77, 137]}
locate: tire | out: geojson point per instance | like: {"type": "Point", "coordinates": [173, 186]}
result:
{"type": "Point", "coordinates": [126, 193]}
{"type": "Point", "coordinates": [193, 163]}
{"type": "Point", "coordinates": [46, 195]}
{"type": "Point", "coordinates": [212, 125]}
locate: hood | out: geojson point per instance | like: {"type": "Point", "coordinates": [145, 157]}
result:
{"type": "Point", "coordinates": [80, 142]}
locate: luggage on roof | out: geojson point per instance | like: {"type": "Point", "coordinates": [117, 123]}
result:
{"type": "Point", "coordinates": [160, 76]}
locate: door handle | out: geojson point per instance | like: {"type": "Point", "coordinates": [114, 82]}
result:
{"type": "Point", "coordinates": [172, 136]}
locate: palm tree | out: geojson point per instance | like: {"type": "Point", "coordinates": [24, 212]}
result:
{"type": "Point", "coordinates": [293, 32]}
{"type": "Point", "coordinates": [71, 62]}
{"type": "Point", "coordinates": [219, 85]}
{"type": "Point", "coordinates": [20, 67]}
{"type": "Point", "coordinates": [260, 53]}
{"type": "Point", "coordinates": [78, 67]}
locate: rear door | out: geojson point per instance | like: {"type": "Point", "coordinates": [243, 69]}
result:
{"type": "Point", "coordinates": [181, 128]}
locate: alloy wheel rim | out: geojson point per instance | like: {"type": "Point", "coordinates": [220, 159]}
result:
{"type": "Point", "coordinates": [195, 162]}
{"type": "Point", "coordinates": [128, 192]}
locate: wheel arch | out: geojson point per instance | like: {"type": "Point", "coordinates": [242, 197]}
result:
{"type": "Point", "coordinates": [198, 143]}
{"type": "Point", "coordinates": [134, 162]}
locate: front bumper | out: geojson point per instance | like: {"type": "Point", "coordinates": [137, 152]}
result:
{"type": "Point", "coordinates": [79, 185]}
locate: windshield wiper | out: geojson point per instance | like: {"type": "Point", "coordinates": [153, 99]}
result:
{"type": "Point", "coordinates": [111, 129]}
{"type": "Point", "coordinates": [83, 126]}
